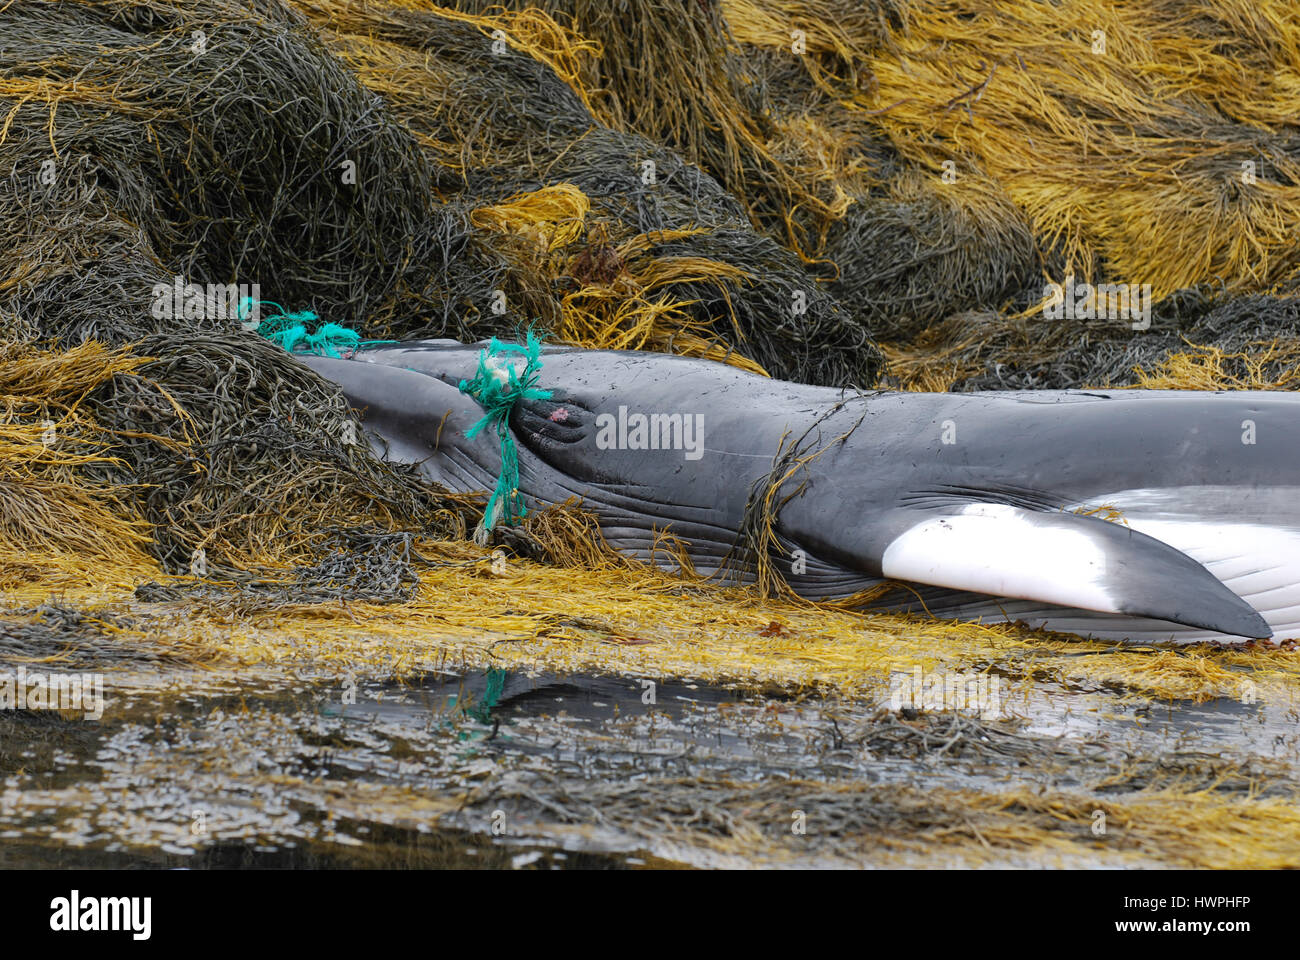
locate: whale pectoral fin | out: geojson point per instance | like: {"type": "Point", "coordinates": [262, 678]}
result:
{"type": "Point", "coordinates": [1066, 559]}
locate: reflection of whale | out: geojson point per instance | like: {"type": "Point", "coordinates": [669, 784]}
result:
{"type": "Point", "coordinates": [977, 500]}
{"type": "Point", "coordinates": [495, 694]}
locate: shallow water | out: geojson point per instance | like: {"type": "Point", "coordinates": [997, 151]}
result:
{"type": "Point", "coordinates": [507, 769]}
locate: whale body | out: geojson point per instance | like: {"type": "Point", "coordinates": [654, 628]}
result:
{"type": "Point", "coordinates": [1150, 516]}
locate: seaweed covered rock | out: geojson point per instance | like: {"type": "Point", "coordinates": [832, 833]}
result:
{"type": "Point", "coordinates": [1200, 338]}
{"type": "Point", "coordinates": [242, 150]}
{"type": "Point", "coordinates": [157, 148]}
{"type": "Point", "coordinates": [934, 159]}
{"type": "Point", "coordinates": [506, 102]}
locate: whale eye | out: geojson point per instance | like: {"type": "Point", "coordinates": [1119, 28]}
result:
{"type": "Point", "coordinates": [560, 432]}
{"type": "Point", "coordinates": [557, 420]}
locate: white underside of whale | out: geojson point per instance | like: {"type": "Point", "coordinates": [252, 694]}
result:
{"type": "Point", "coordinates": [1249, 541]}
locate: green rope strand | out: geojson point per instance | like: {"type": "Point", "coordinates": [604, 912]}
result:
{"type": "Point", "coordinates": [289, 330]}
{"type": "Point", "coordinates": [498, 387]}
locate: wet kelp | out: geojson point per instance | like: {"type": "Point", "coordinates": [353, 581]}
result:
{"type": "Point", "coordinates": [226, 137]}
{"type": "Point", "coordinates": [483, 94]}
{"type": "Point", "coordinates": [1147, 144]}
{"type": "Point", "coordinates": [937, 159]}
{"type": "Point", "coordinates": [138, 164]}
{"type": "Point", "coordinates": [1195, 339]}
{"type": "Point", "coordinates": [63, 505]}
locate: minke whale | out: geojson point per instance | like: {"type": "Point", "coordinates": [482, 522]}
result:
{"type": "Point", "coordinates": [1138, 515]}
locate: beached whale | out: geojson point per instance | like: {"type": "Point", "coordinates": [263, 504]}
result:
{"type": "Point", "coordinates": [1128, 514]}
